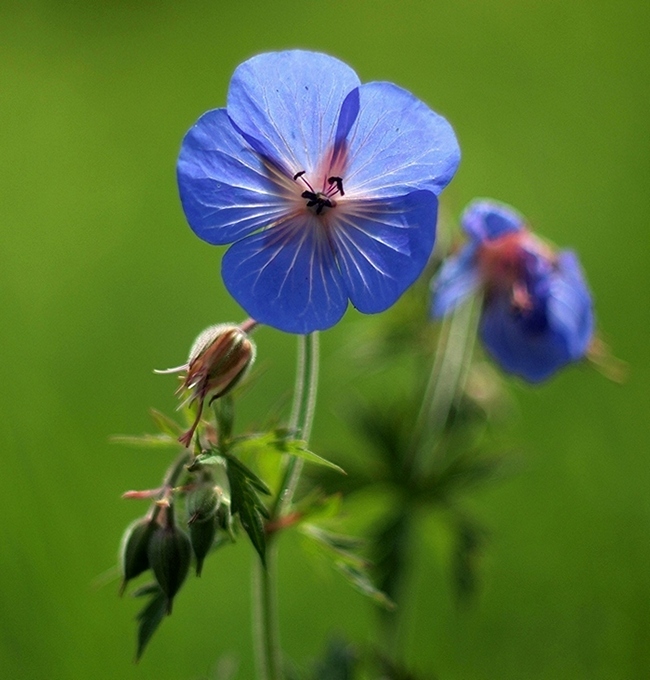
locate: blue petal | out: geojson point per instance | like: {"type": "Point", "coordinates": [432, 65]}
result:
{"type": "Point", "coordinates": [383, 246]}
{"type": "Point", "coordinates": [485, 219]}
{"type": "Point", "coordinates": [516, 347]}
{"type": "Point", "coordinates": [570, 309]}
{"type": "Point", "coordinates": [398, 144]}
{"type": "Point", "coordinates": [290, 102]}
{"type": "Point", "coordinates": [458, 278]}
{"type": "Point", "coordinates": [225, 189]}
{"type": "Point", "coordinates": [286, 277]}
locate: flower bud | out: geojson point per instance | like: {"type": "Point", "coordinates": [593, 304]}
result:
{"type": "Point", "coordinates": [202, 537]}
{"type": "Point", "coordinates": [169, 553]}
{"type": "Point", "coordinates": [134, 559]}
{"type": "Point", "coordinates": [218, 360]}
{"type": "Point", "coordinates": [202, 503]}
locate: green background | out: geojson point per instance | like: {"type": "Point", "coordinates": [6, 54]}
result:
{"type": "Point", "coordinates": [101, 280]}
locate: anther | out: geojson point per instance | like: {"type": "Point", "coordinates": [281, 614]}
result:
{"type": "Point", "coordinates": [338, 181]}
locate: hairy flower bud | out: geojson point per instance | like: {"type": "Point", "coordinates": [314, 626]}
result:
{"type": "Point", "coordinates": [134, 559]}
{"type": "Point", "coordinates": [218, 360]}
{"type": "Point", "coordinates": [202, 536]}
{"type": "Point", "coordinates": [202, 503]}
{"type": "Point", "coordinates": [169, 553]}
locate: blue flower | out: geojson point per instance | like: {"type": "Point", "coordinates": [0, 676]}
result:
{"type": "Point", "coordinates": [326, 188]}
{"type": "Point", "coordinates": [537, 312]}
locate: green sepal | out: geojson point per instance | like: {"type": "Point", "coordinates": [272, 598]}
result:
{"type": "Point", "coordinates": [134, 558]}
{"type": "Point", "coordinates": [170, 553]}
{"type": "Point", "coordinates": [202, 503]}
{"type": "Point", "coordinates": [150, 617]}
{"type": "Point", "coordinates": [208, 458]}
{"type": "Point", "coordinates": [202, 536]}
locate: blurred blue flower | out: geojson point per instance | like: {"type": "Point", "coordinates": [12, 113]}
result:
{"type": "Point", "coordinates": [326, 188]}
{"type": "Point", "coordinates": [537, 312]}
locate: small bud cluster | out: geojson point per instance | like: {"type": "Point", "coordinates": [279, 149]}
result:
{"type": "Point", "coordinates": [160, 543]}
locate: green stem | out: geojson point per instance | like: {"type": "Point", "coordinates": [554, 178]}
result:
{"type": "Point", "coordinates": [266, 630]}
{"type": "Point", "coordinates": [448, 376]}
{"type": "Point", "coordinates": [266, 627]}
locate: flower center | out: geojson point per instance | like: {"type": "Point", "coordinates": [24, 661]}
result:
{"type": "Point", "coordinates": [319, 200]}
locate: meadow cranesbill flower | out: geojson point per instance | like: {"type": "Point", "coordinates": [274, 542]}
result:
{"type": "Point", "coordinates": [537, 311]}
{"type": "Point", "coordinates": [326, 188]}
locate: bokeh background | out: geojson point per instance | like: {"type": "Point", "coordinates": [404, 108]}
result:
{"type": "Point", "coordinates": [101, 280]}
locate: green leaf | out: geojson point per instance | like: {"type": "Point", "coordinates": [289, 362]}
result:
{"type": "Point", "coordinates": [150, 617]}
{"type": "Point", "coordinates": [245, 502]}
{"type": "Point", "coordinates": [145, 440]}
{"type": "Point", "coordinates": [280, 441]}
{"type": "Point", "coordinates": [247, 473]}
{"type": "Point", "coordinates": [296, 448]}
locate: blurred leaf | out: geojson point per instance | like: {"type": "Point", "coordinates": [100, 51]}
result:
{"type": "Point", "coordinates": [360, 581]}
{"type": "Point", "coordinates": [166, 424]}
{"type": "Point", "coordinates": [341, 552]}
{"type": "Point", "coordinates": [340, 544]}
{"type": "Point", "coordinates": [390, 553]}
{"type": "Point", "coordinates": [466, 470]}
{"type": "Point", "coordinates": [394, 670]}
{"type": "Point", "coordinates": [150, 617]}
{"type": "Point", "coordinates": [316, 505]}
{"type": "Point", "coordinates": [145, 440]}
{"type": "Point", "coordinates": [339, 663]}
{"type": "Point", "coordinates": [470, 539]}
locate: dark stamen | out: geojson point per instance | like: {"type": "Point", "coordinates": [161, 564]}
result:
{"type": "Point", "coordinates": [338, 181]}
{"type": "Point", "coordinates": [299, 174]}
{"type": "Point", "coordinates": [319, 200]}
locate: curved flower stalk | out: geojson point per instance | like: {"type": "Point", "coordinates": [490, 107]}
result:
{"type": "Point", "coordinates": [326, 188]}
{"type": "Point", "coordinates": [537, 313]}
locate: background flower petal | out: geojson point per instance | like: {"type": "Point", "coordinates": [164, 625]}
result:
{"type": "Point", "coordinates": [225, 189]}
{"type": "Point", "coordinates": [286, 277]}
{"type": "Point", "coordinates": [485, 219]}
{"type": "Point", "coordinates": [570, 309]}
{"type": "Point", "coordinates": [398, 144]}
{"type": "Point", "coordinates": [457, 279]}
{"type": "Point", "coordinates": [520, 347]}
{"type": "Point", "coordinates": [382, 247]}
{"type": "Point", "coordinates": [289, 102]}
